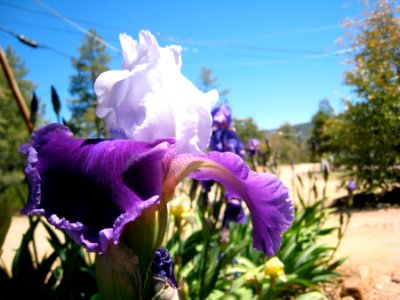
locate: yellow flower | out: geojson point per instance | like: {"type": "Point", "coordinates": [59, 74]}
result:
{"type": "Point", "coordinates": [180, 207]}
{"type": "Point", "coordinates": [275, 268]}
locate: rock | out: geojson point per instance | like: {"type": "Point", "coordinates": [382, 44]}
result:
{"type": "Point", "coordinates": [396, 278]}
{"type": "Point", "coordinates": [352, 288]}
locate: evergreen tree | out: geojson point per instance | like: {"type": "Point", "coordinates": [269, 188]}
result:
{"type": "Point", "coordinates": [13, 131]}
{"type": "Point", "coordinates": [208, 82]}
{"type": "Point", "coordinates": [369, 130]}
{"type": "Point", "coordinates": [319, 141]}
{"type": "Point", "coordinates": [93, 60]}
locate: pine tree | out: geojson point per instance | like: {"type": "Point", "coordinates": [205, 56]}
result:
{"type": "Point", "coordinates": [13, 131]}
{"type": "Point", "coordinates": [369, 130]}
{"type": "Point", "coordinates": [93, 60]}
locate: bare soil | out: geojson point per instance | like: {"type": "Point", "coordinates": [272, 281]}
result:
{"type": "Point", "coordinates": [371, 242]}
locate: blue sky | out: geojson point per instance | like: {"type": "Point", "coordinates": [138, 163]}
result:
{"type": "Point", "coordinates": [277, 58]}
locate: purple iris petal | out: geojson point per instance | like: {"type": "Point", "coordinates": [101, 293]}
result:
{"type": "Point", "coordinates": [233, 212]}
{"type": "Point", "coordinates": [226, 140]}
{"type": "Point", "coordinates": [92, 188]}
{"type": "Point", "coordinates": [222, 117]}
{"type": "Point", "coordinates": [267, 198]}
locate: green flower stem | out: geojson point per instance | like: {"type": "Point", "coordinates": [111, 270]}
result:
{"type": "Point", "coordinates": [270, 292]}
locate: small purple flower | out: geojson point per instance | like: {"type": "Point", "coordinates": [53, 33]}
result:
{"type": "Point", "coordinates": [253, 147]}
{"type": "Point", "coordinates": [94, 188]}
{"type": "Point", "coordinates": [222, 117]}
{"type": "Point", "coordinates": [226, 140]}
{"type": "Point", "coordinates": [163, 266]}
{"type": "Point", "coordinates": [351, 186]}
{"type": "Point", "coordinates": [233, 212]}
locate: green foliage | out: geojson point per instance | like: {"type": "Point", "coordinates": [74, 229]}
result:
{"type": "Point", "coordinates": [66, 273]}
{"type": "Point", "coordinates": [13, 132]}
{"type": "Point", "coordinates": [319, 141]}
{"type": "Point", "coordinates": [247, 129]}
{"type": "Point", "coordinates": [220, 263]}
{"type": "Point", "coordinates": [93, 60]}
{"type": "Point", "coordinates": [287, 146]}
{"type": "Point", "coordinates": [367, 134]}
{"type": "Point", "coordinates": [208, 82]}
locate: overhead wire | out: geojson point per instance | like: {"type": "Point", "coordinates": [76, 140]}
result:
{"type": "Point", "coordinates": [224, 43]}
{"type": "Point", "coordinates": [76, 26]}
{"type": "Point", "coordinates": [45, 13]}
{"type": "Point", "coordinates": [30, 25]}
{"type": "Point", "coordinates": [32, 43]}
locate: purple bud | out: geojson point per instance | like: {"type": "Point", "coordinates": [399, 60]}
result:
{"type": "Point", "coordinates": [163, 266]}
{"type": "Point", "coordinates": [252, 147]}
{"type": "Point", "coordinates": [351, 186]}
{"type": "Point", "coordinates": [233, 212]}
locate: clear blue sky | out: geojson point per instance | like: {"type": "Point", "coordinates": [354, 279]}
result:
{"type": "Point", "coordinates": [277, 58]}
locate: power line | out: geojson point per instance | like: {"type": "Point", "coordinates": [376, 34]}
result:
{"type": "Point", "coordinates": [239, 46]}
{"type": "Point", "coordinates": [224, 43]}
{"type": "Point", "coordinates": [32, 43]}
{"type": "Point", "coordinates": [256, 37]}
{"type": "Point", "coordinates": [76, 26]}
{"type": "Point", "coordinates": [30, 25]}
{"type": "Point", "coordinates": [34, 11]}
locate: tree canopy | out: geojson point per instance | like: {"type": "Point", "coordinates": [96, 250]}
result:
{"type": "Point", "coordinates": [13, 131]}
{"type": "Point", "coordinates": [368, 132]}
{"type": "Point", "coordinates": [92, 61]}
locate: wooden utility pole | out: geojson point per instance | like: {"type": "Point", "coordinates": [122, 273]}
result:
{"type": "Point", "coordinates": [15, 90]}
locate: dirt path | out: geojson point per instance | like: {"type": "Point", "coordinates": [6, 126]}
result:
{"type": "Point", "coordinates": [372, 244]}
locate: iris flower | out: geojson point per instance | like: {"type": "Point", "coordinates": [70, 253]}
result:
{"type": "Point", "coordinates": [226, 140]}
{"type": "Point", "coordinates": [253, 147]}
{"type": "Point", "coordinates": [222, 117]}
{"type": "Point", "coordinates": [92, 188]}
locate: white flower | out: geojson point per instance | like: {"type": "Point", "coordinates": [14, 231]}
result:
{"type": "Point", "coordinates": [150, 98]}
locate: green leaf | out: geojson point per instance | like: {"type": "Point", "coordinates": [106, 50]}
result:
{"type": "Point", "coordinates": [5, 221]}
{"type": "Point", "coordinates": [312, 296]}
{"type": "Point", "coordinates": [22, 265]}
{"type": "Point", "coordinates": [226, 259]}
{"type": "Point", "coordinates": [55, 100]}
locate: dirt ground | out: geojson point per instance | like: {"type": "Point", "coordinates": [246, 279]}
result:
{"type": "Point", "coordinates": [371, 242]}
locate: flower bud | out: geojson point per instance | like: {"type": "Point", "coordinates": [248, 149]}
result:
{"type": "Point", "coordinates": [180, 207]}
{"type": "Point", "coordinates": [275, 268]}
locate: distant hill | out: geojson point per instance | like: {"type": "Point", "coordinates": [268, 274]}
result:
{"type": "Point", "coordinates": [303, 130]}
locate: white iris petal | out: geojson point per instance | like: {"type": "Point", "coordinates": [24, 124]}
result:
{"type": "Point", "coordinates": [150, 98]}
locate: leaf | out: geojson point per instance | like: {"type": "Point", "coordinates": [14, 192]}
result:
{"type": "Point", "coordinates": [55, 100]}
{"type": "Point", "coordinates": [311, 296]}
{"type": "Point", "coordinates": [5, 221]}
{"type": "Point", "coordinates": [213, 272]}
{"type": "Point", "coordinates": [34, 108]}
{"type": "Point", "coordinates": [189, 246]}
{"type": "Point", "coordinates": [22, 265]}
